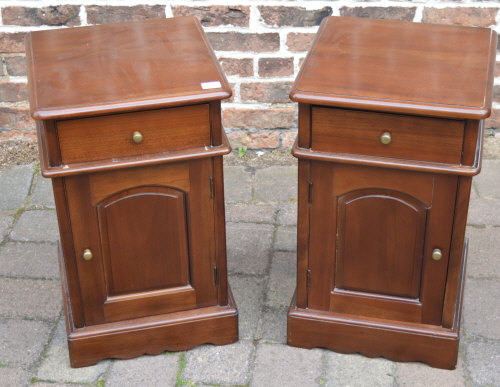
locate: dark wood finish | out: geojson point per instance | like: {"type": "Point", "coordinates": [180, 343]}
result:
{"type": "Point", "coordinates": [106, 137]}
{"type": "Point", "coordinates": [108, 68]}
{"type": "Point", "coordinates": [414, 138]}
{"type": "Point", "coordinates": [402, 67]}
{"type": "Point", "coordinates": [371, 215]}
{"type": "Point", "coordinates": [151, 213]}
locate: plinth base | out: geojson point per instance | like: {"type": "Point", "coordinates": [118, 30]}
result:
{"type": "Point", "coordinates": [151, 335]}
{"type": "Point", "coordinates": [371, 337]}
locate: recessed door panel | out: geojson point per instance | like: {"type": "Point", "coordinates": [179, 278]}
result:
{"type": "Point", "coordinates": [380, 242]}
{"type": "Point", "coordinates": [143, 235]}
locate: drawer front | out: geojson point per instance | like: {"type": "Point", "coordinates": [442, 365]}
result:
{"type": "Point", "coordinates": [109, 137]}
{"type": "Point", "coordinates": [406, 137]}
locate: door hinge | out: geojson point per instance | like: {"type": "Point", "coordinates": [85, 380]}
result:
{"type": "Point", "coordinates": [211, 182]}
{"type": "Point", "coordinates": [310, 199]}
{"type": "Point", "coordinates": [216, 275]}
{"type": "Point", "coordinates": [308, 279]}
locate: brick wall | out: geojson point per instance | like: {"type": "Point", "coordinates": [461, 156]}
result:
{"type": "Point", "coordinates": [261, 45]}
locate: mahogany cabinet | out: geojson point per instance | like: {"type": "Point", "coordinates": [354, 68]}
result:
{"type": "Point", "coordinates": [129, 128]}
{"type": "Point", "coordinates": [390, 134]}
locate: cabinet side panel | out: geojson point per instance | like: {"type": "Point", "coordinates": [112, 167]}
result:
{"type": "Point", "coordinates": [323, 218]}
{"type": "Point", "coordinates": [456, 251]}
{"type": "Point", "coordinates": [303, 232]}
{"type": "Point", "coordinates": [215, 123]}
{"type": "Point", "coordinates": [68, 251]}
{"type": "Point", "coordinates": [201, 232]}
{"type": "Point", "coordinates": [220, 230]}
{"type": "Point", "coordinates": [304, 135]}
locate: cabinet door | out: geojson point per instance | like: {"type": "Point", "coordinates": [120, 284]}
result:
{"type": "Point", "coordinates": [372, 234]}
{"type": "Point", "coordinates": [151, 232]}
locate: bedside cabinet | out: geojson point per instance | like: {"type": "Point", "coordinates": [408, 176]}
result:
{"type": "Point", "coordinates": [390, 135]}
{"type": "Point", "coordinates": [129, 129]}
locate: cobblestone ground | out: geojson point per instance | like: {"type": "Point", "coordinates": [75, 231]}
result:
{"type": "Point", "coordinates": [261, 238]}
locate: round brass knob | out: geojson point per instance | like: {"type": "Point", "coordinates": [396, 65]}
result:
{"type": "Point", "coordinates": [137, 137]}
{"type": "Point", "coordinates": [385, 138]}
{"type": "Point", "coordinates": [87, 254]}
{"type": "Point", "coordinates": [437, 254]}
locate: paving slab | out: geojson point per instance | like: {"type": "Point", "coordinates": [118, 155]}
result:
{"type": "Point", "coordinates": [14, 377]}
{"type": "Point", "coordinates": [55, 365]}
{"type": "Point", "coordinates": [227, 364]}
{"type": "Point", "coordinates": [357, 370]}
{"type": "Point", "coordinates": [286, 238]}
{"type": "Point", "coordinates": [5, 223]}
{"type": "Point", "coordinates": [422, 375]}
{"type": "Point", "coordinates": [243, 212]}
{"type": "Point", "coordinates": [151, 371]}
{"type": "Point", "coordinates": [248, 247]}
{"type": "Point", "coordinates": [484, 212]}
{"type": "Point", "coordinates": [36, 226]}
{"type": "Point", "coordinates": [237, 184]}
{"type": "Point", "coordinates": [281, 365]}
{"type": "Point", "coordinates": [282, 280]}
{"type": "Point", "coordinates": [481, 308]}
{"type": "Point", "coordinates": [30, 298]}
{"type": "Point", "coordinates": [248, 293]}
{"type": "Point", "coordinates": [15, 184]}
{"type": "Point", "coordinates": [483, 363]}
{"type": "Point", "coordinates": [50, 384]}
{"type": "Point", "coordinates": [43, 195]}
{"type": "Point", "coordinates": [287, 215]}
{"type": "Point", "coordinates": [27, 259]}
{"type": "Point", "coordinates": [276, 184]}
{"type": "Point", "coordinates": [487, 182]}
{"type": "Point", "coordinates": [484, 246]}
{"type": "Point", "coordinates": [272, 326]}
{"type": "Point", "coordinates": [22, 341]}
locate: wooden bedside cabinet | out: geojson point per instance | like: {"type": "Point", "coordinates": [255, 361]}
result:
{"type": "Point", "coordinates": [129, 128]}
{"type": "Point", "coordinates": [390, 135]}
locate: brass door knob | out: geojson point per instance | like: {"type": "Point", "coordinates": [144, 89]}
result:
{"type": "Point", "coordinates": [87, 254]}
{"type": "Point", "coordinates": [137, 137]}
{"type": "Point", "coordinates": [437, 254]}
{"type": "Point", "coordinates": [385, 138]}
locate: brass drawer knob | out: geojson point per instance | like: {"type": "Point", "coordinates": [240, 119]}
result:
{"type": "Point", "coordinates": [386, 138]}
{"type": "Point", "coordinates": [437, 254]}
{"type": "Point", "coordinates": [137, 137]}
{"type": "Point", "coordinates": [87, 254]}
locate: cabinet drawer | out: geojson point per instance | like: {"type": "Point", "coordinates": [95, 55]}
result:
{"type": "Point", "coordinates": [109, 137]}
{"type": "Point", "coordinates": [411, 137]}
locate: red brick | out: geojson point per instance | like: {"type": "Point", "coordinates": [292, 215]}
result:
{"type": "Point", "coordinates": [51, 16]}
{"type": "Point", "coordinates": [275, 67]}
{"type": "Point", "coordinates": [13, 42]}
{"type": "Point", "coordinates": [298, 41]}
{"type": "Point", "coordinates": [463, 16]}
{"type": "Point", "coordinates": [231, 99]}
{"type": "Point", "coordinates": [16, 65]}
{"type": "Point", "coordinates": [15, 118]}
{"type": "Point", "coordinates": [254, 140]}
{"type": "Point", "coordinates": [13, 92]}
{"type": "Point", "coordinates": [97, 14]}
{"type": "Point", "coordinates": [293, 16]}
{"type": "Point", "coordinates": [237, 41]}
{"type": "Point", "coordinates": [216, 15]}
{"type": "Point", "coordinates": [258, 118]}
{"type": "Point", "coordinates": [270, 92]}
{"type": "Point", "coordinates": [497, 69]}
{"type": "Point", "coordinates": [288, 138]}
{"type": "Point", "coordinates": [242, 67]}
{"type": "Point", "coordinates": [494, 120]}
{"type": "Point", "coordinates": [390, 13]}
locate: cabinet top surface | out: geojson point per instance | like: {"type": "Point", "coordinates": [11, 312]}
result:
{"type": "Point", "coordinates": [121, 67]}
{"type": "Point", "coordinates": [398, 66]}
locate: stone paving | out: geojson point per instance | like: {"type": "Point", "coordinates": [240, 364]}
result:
{"type": "Point", "coordinates": [261, 238]}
